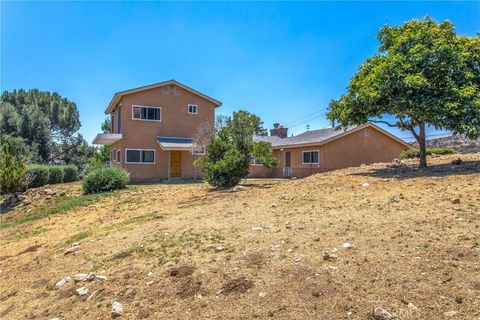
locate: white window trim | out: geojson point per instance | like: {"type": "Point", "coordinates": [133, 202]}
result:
{"type": "Point", "coordinates": [253, 162]}
{"type": "Point", "coordinates": [140, 106]}
{"type": "Point", "coordinates": [303, 152]}
{"type": "Point", "coordinates": [118, 155]}
{"type": "Point", "coordinates": [167, 91]}
{"type": "Point", "coordinates": [179, 92]}
{"type": "Point", "coordinates": [134, 149]}
{"type": "Point", "coordinates": [192, 105]}
{"type": "Point", "coordinates": [199, 153]}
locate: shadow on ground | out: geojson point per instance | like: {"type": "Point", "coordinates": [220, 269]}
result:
{"type": "Point", "coordinates": [434, 170]}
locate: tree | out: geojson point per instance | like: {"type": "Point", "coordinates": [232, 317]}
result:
{"type": "Point", "coordinates": [100, 158]}
{"type": "Point", "coordinates": [424, 74]}
{"type": "Point", "coordinates": [12, 169]}
{"type": "Point", "coordinates": [47, 123]}
{"type": "Point", "coordinates": [229, 153]}
{"type": "Point", "coordinates": [106, 125]}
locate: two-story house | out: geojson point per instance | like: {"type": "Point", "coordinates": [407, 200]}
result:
{"type": "Point", "coordinates": [155, 128]}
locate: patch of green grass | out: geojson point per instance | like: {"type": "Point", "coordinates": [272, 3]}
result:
{"type": "Point", "coordinates": [27, 234]}
{"type": "Point", "coordinates": [58, 205]}
{"type": "Point", "coordinates": [171, 247]}
{"type": "Point", "coordinates": [78, 237]}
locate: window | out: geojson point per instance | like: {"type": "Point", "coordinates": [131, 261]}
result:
{"type": "Point", "coordinates": [178, 91]}
{"type": "Point", "coordinates": [117, 156]}
{"type": "Point", "coordinates": [255, 161]}
{"type": "Point", "coordinates": [146, 113]}
{"type": "Point", "coordinates": [192, 109]}
{"type": "Point", "coordinates": [165, 90]}
{"type": "Point", "coordinates": [198, 150]}
{"type": "Point", "coordinates": [310, 157]}
{"type": "Point", "coordinates": [140, 156]}
{"type": "Point", "coordinates": [119, 120]}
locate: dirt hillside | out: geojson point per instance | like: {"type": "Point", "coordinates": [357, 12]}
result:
{"type": "Point", "coordinates": [339, 245]}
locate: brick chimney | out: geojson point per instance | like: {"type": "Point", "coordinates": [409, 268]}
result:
{"type": "Point", "coordinates": [279, 131]}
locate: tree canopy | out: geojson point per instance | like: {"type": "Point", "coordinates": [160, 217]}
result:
{"type": "Point", "coordinates": [423, 74]}
{"type": "Point", "coordinates": [46, 124]}
{"type": "Point", "coordinates": [231, 149]}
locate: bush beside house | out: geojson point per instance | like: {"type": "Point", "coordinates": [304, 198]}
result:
{"type": "Point", "coordinates": [415, 153]}
{"type": "Point", "coordinates": [105, 179]}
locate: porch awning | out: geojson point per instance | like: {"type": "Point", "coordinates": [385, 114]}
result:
{"type": "Point", "coordinates": [175, 143]}
{"type": "Point", "coordinates": [107, 138]}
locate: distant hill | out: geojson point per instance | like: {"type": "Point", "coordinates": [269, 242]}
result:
{"type": "Point", "coordinates": [457, 142]}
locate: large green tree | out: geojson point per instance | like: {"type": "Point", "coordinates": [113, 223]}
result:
{"type": "Point", "coordinates": [229, 153]}
{"type": "Point", "coordinates": [46, 123]}
{"type": "Point", "coordinates": [423, 74]}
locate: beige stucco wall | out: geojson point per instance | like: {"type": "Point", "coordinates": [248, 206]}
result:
{"type": "Point", "coordinates": [175, 121]}
{"type": "Point", "coordinates": [351, 150]}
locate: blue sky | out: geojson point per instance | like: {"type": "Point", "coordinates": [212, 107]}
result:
{"type": "Point", "coordinates": [279, 60]}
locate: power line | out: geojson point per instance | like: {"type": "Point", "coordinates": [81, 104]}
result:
{"type": "Point", "coordinates": [305, 117]}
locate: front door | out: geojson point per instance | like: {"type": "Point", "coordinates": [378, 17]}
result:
{"type": "Point", "coordinates": [176, 163]}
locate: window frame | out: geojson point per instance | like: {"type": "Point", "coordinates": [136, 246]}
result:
{"type": "Point", "coordinates": [310, 151]}
{"type": "Point", "coordinates": [165, 90]}
{"type": "Point", "coordinates": [196, 153]}
{"type": "Point", "coordinates": [152, 107]}
{"type": "Point", "coordinates": [118, 154]}
{"type": "Point", "coordinates": [177, 91]}
{"type": "Point", "coordinates": [192, 105]}
{"type": "Point", "coordinates": [253, 161]}
{"type": "Point", "coordinates": [141, 157]}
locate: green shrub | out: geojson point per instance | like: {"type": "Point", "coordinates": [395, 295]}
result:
{"type": "Point", "coordinates": [70, 173]}
{"type": "Point", "coordinates": [105, 179]}
{"type": "Point", "coordinates": [55, 174]}
{"type": "Point", "coordinates": [39, 175]}
{"type": "Point", "coordinates": [415, 153]}
{"type": "Point", "coordinates": [12, 169]}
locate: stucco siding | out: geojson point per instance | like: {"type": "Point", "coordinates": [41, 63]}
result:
{"type": "Point", "coordinates": [175, 121]}
{"type": "Point", "coordinates": [364, 146]}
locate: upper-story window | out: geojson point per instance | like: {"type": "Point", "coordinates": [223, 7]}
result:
{"type": "Point", "coordinates": [178, 91]}
{"type": "Point", "coordinates": [146, 113]}
{"type": "Point", "coordinates": [119, 119]}
{"type": "Point", "coordinates": [165, 90]}
{"type": "Point", "coordinates": [192, 109]}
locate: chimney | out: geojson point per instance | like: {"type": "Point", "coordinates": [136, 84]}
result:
{"type": "Point", "coordinates": [279, 131]}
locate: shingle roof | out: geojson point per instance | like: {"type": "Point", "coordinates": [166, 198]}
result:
{"type": "Point", "coordinates": [308, 137]}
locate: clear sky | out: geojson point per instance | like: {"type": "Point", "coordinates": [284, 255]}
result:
{"type": "Point", "coordinates": [281, 61]}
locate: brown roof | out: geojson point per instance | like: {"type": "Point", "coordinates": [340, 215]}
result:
{"type": "Point", "coordinates": [320, 136]}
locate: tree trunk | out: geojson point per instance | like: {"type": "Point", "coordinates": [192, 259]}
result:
{"type": "Point", "coordinates": [422, 145]}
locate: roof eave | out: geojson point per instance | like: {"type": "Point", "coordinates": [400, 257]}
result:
{"type": "Point", "coordinates": [118, 95]}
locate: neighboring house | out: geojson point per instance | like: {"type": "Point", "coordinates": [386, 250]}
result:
{"type": "Point", "coordinates": [155, 130]}
{"type": "Point", "coordinates": [327, 149]}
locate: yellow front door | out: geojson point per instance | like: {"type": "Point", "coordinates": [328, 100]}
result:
{"type": "Point", "coordinates": [176, 164]}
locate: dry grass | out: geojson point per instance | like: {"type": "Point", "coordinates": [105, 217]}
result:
{"type": "Point", "coordinates": [414, 243]}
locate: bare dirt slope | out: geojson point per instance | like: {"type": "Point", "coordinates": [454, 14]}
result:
{"type": "Point", "coordinates": [265, 250]}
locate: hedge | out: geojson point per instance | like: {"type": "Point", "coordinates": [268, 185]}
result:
{"type": "Point", "coordinates": [40, 175]}
{"type": "Point", "coordinates": [51, 174]}
{"type": "Point", "coordinates": [415, 153]}
{"type": "Point", "coordinates": [70, 173]}
{"type": "Point", "coordinates": [105, 179]}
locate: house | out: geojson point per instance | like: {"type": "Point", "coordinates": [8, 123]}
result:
{"type": "Point", "coordinates": [327, 149]}
{"type": "Point", "coordinates": [155, 130]}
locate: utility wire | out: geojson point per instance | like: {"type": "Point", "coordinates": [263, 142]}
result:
{"type": "Point", "coordinates": [305, 117]}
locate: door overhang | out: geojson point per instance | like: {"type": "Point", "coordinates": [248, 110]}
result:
{"type": "Point", "coordinates": [176, 143]}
